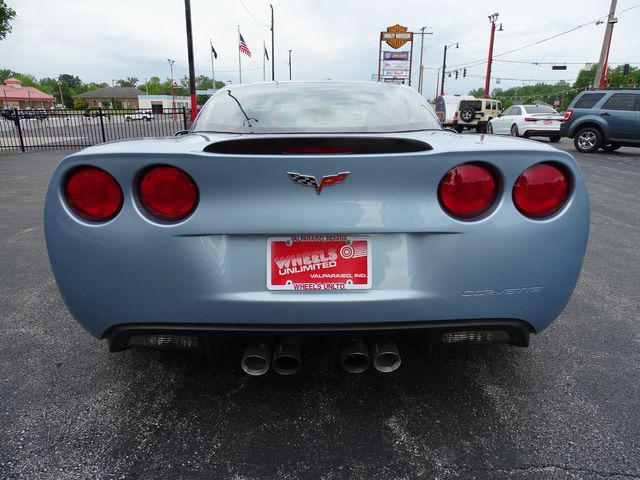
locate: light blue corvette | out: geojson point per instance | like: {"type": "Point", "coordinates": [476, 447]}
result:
{"type": "Point", "coordinates": [299, 209]}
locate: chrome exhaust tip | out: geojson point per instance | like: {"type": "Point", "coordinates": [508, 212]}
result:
{"type": "Point", "coordinates": [354, 356]}
{"type": "Point", "coordinates": [286, 356]}
{"type": "Point", "coordinates": [386, 356]}
{"type": "Point", "coordinates": [255, 359]}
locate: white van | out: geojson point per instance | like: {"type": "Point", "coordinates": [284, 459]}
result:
{"type": "Point", "coordinates": [447, 106]}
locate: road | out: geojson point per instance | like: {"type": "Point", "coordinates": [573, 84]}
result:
{"type": "Point", "coordinates": [568, 407]}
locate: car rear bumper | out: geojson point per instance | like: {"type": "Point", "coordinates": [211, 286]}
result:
{"type": "Point", "coordinates": [542, 132]}
{"type": "Point", "coordinates": [416, 277]}
{"type": "Point", "coordinates": [515, 332]}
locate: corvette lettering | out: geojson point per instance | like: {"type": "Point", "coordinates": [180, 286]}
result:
{"type": "Point", "coordinates": [505, 291]}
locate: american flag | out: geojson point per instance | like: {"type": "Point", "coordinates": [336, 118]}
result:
{"type": "Point", "coordinates": [243, 46]}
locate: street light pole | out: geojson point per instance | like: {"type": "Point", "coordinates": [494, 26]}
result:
{"type": "Point", "coordinates": [444, 65]}
{"type": "Point", "coordinates": [173, 94]}
{"type": "Point", "coordinates": [601, 72]}
{"type": "Point", "coordinates": [487, 81]}
{"type": "Point", "coordinates": [421, 73]}
{"type": "Point", "coordinates": [289, 64]}
{"type": "Point", "coordinates": [273, 57]}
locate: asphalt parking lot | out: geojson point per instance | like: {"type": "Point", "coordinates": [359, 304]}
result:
{"type": "Point", "coordinates": [568, 407]}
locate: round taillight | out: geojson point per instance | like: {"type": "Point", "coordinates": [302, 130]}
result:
{"type": "Point", "coordinates": [93, 194]}
{"type": "Point", "coordinates": [467, 191]}
{"type": "Point", "coordinates": [541, 190]}
{"type": "Point", "coordinates": [168, 193]}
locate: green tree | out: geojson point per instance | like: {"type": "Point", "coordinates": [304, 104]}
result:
{"type": "Point", "coordinates": [70, 86]}
{"type": "Point", "coordinates": [71, 81]}
{"type": "Point", "coordinates": [7, 14]}
{"type": "Point", "coordinates": [127, 82]}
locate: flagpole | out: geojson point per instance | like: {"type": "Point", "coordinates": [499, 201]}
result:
{"type": "Point", "coordinates": [213, 76]}
{"type": "Point", "coordinates": [239, 58]}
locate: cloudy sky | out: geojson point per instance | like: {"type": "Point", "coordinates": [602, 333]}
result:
{"type": "Point", "coordinates": [102, 40]}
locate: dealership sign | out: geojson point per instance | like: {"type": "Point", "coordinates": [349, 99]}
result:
{"type": "Point", "coordinates": [395, 67]}
{"type": "Point", "coordinates": [396, 36]}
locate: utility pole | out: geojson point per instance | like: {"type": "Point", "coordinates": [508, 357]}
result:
{"type": "Point", "coordinates": [192, 70]}
{"type": "Point", "coordinates": [273, 56]}
{"type": "Point", "coordinates": [173, 93]}
{"type": "Point", "coordinates": [601, 72]}
{"type": "Point", "coordinates": [146, 85]}
{"type": "Point", "coordinates": [444, 65]}
{"type": "Point", "coordinates": [487, 81]}
{"type": "Point", "coordinates": [59, 89]}
{"type": "Point", "coordinates": [289, 64]}
{"type": "Point", "coordinates": [421, 73]}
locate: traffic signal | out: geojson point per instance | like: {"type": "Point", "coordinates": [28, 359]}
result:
{"type": "Point", "coordinates": [630, 81]}
{"type": "Point", "coordinates": [456, 74]}
{"type": "Point", "coordinates": [625, 69]}
{"type": "Point", "coordinates": [464, 72]}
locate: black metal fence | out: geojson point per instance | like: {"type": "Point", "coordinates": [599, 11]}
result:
{"type": "Point", "coordinates": [25, 130]}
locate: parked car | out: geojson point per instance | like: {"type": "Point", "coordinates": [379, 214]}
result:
{"type": "Point", "coordinates": [91, 113]}
{"type": "Point", "coordinates": [606, 119]}
{"type": "Point", "coordinates": [10, 114]}
{"type": "Point", "coordinates": [300, 209]}
{"type": "Point", "coordinates": [538, 120]}
{"type": "Point", "coordinates": [476, 114]}
{"type": "Point", "coordinates": [447, 107]}
{"type": "Point", "coordinates": [142, 115]}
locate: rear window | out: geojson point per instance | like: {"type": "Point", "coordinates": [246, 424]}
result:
{"type": "Point", "coordinates": [540, 109]}
{"type": "Point", "coordinates": [314, 107]}
{"type": "Point", "coordinates": [588, 100]}
{"type": "Point", "coordinates": [620, 101]}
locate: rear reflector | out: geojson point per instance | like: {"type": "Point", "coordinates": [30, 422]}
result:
{"type": "Point", "coordinates": [467, 191]}
{"type": "Point", "coordinates": [93, 194]}
{"type": "Point", "coordinates": [541, 190]}
{"type": "Point", "coordinates": [163, 341]}
{"type": "Point", "coordinates": [168, 193]}
{"type": "Point", "coordinates": [477, 336]}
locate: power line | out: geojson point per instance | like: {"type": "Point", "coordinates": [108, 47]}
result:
{"type": "Point", "coordinates": [518, 79]}
{"type": "Point", "coordinates": [252, 15]}
{"type": "Point", "coordinates": [559, 63]}
{"type": "Point", "coordinates": [522, 47]}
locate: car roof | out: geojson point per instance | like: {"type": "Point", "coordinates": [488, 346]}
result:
{"type": "Point", "coordinates": [612, 90]}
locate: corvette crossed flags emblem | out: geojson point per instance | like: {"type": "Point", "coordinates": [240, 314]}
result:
{"type": "Point", "coordinates": [310, 181]}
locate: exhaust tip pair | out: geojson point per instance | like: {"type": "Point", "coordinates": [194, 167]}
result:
{"type": "Point", "coordinates": [356, 358]}
{"type": "Point", "coordinates": [285, 359]}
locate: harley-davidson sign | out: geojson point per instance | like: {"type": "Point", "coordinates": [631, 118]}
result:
{"type": "Point", "coordinates": [396, 36]}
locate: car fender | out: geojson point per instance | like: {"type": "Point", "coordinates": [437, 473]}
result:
{"type": "Point", "coordinates": [589, 120]}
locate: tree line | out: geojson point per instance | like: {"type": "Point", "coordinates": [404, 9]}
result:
{"type": "Point", "coordinates": [563, 92]}
{"type": "Point", "coordinates": [67, 86]}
